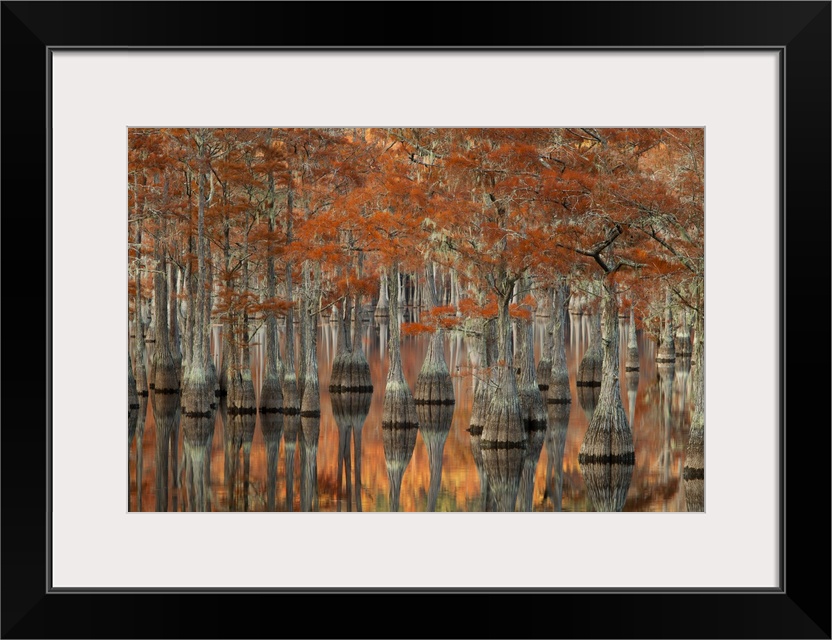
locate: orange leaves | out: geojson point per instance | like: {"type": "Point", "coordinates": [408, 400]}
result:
{"type": "Point", "coordinates": [416, 328]}
{"type": "Point", "coordinates": [484, 202]}
{"type": "Point", "coordinates": [520, 312]}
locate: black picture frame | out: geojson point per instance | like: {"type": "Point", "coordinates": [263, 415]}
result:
{"type": "Point", "coordinates": [800, 608]}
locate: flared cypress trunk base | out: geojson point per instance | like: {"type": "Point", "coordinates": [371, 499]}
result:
{"type": "Point", "coordinates": [399, 408]}
{"type": "Point", "coordinates": [350, 373]}
{"type": "Point", "coordinates": [166, 378]}
{"type": "Point", "coordinates": [271, 395]}
{"type": "Point", "coordinates": [434, 384]}
{"type": "Point", "coordinates": [291, 396]}
{"type": "Point", "coordinates": [559, 390]}
{"type": "Point", "coordinates": [544, 375]}
{"type": "Point", "coordinates": [666, 353]}
{"type": "Point", "coordinates": [434, 387]}
{"type": "Point", "coordinates": [198, 398]}
{"type": "Point", "coordinates": [241, 396]}
{"type": "Point", "coordinates": [310, 406]}
{"type": "Point", "coordinates": [608, 438]}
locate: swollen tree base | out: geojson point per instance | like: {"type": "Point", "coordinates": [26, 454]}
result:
{"type": "Point", "coordinates": [198, 394]}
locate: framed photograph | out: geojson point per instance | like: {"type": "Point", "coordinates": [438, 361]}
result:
{"type": "Point", "coordinates": [127, 123]}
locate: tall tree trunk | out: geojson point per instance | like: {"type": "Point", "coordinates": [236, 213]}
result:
{"type": "Point", "coordinates": [210, 366]}
{"type": "Point", "coordinates": [198, 390]}
{"type": "Point", "coordinates": [434, 384]}
{"type": "Point", "coordinates": [694, 469]}
{"type": "Point", "coordinates": [271, 391]}
{"type": "Point", "coordinates": [291, 392]}
{"type": "Point", "coordinates": [503, 437]}
{"type": "Point", "coordinates": [173, 320]}
{"type": "Point", "coordinates": [226, 375]}
{"type": "Point", "coordinates": [244, 400]}
{"type": "Point", "coordinates": [609, 438]}
{"type": "Point", "coordinates": [399, 422]}
{"type": "Point", "coordinates": [140, 364]}
{"type": "Point", "coordinates": [310, 404]}
{"type": "Point", "coordinates": [544, 366]}
{"type": "Point", "coordinates": [483, 357]}
{"type": "Point", "coordinates": [166, 379]}
{"type": "Point", "coordinates": [532, 406]}
{"type": "Point", "coordinates": [190, 318]}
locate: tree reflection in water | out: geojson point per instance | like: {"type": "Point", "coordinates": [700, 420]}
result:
{"type": "Point", "coordinates": [445, 468]}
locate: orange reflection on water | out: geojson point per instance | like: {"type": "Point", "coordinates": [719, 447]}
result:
{"type": "Point", "coordinates": [660, 428]}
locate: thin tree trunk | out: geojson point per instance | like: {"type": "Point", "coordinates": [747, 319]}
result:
{"type": "Point", "coordinates": [559, 390]}
{"type": "Point", "coordinates": [198, 390]}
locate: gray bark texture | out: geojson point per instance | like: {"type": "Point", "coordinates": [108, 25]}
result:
{"type": "Point", "coordinates": [608, 437]}
{"type": "Point", "coordinates": [559, 390]}
{"type": "Point", "coordinates": [631, 365]}
{"type": "Point", "coordinates": [591, 367]}
{"type": "Point", "coordinates": [667, 350]}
